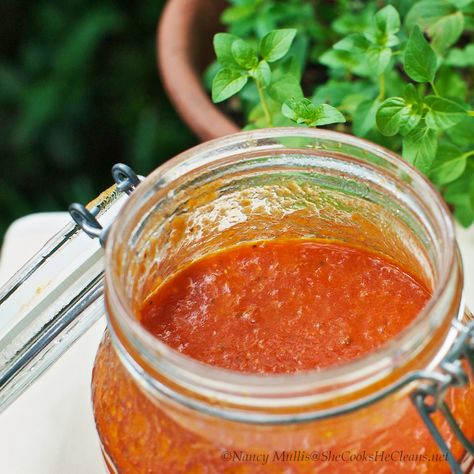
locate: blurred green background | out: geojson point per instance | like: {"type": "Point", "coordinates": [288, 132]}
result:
{"type": "Point", "coordinates": [79, 91]}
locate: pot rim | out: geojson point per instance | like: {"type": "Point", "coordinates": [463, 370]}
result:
{"type": "Point", "coordinates": [181, 80]}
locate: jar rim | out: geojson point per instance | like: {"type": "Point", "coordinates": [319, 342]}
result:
{"type": "Point", "coordinates": [215, 380]}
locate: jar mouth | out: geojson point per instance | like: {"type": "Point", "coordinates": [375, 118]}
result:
{"type": "Point", "coordinates": [270, 389]}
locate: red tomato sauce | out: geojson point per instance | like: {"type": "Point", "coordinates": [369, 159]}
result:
{"type": "Point", "coordinates": [284, 306]}
{"type": "Point", "coordinates": [273, 307]}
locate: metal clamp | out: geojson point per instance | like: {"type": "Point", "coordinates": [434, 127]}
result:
{"type": "Point", "coordinates": [126, 180]}
{"type": "Point", "coordinates": [429, 398]}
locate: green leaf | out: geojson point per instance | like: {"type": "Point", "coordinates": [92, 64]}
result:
{"type": "Point", "coordinates": [295, 62]}
{"type": "Point", "coordinates": [449, 164]}
{"type": "Point", "coordinates": [462, 133]}
{"type": "Point", "coordinates": [461, 57]}
{"type": "Point", "coordinates": [285, 88]}
{"type": "Point", "coordinates": [244, 54]}
{"type": "Point", "coordinates": [249, 126]}
{"type": "Point", "coordinates": [460, 193]}
{"type": "Point", "coordinates": [386, 24]}
{"type": "Point", "coordinates": [426, 13]}
{"type": "Point", "coordinates": [338, 59]}
{"type": "Point", "coordinates": [439, 19]}
{"type": "Point", "coordinates": [258, 117]}
{"type": "Point", "coordinates": [411, 94]}
{"type": "Point", "coordinates": [301, 111]}
{"type": "Point", "coordinates": [276, 44]}
{"type": "Point", "coordinates": [351, 102]}
{"type": "Point", "coordinates": [262, 73]}
{"type": "Point", "coordinates": [279, 120]}
{"type": "Point", "coordinates": [450, 84]}
{"type": "Point", "coordinates": [461, 3]}
{"type": "Point", "coordinates": [364, 117]}
{"type": "Point", "coordinates": [249, 97]}
{"type": "Point", "coordinates": [446, 31]}
{"type": "Point", "coordinates": [210, 74]}
{"type": "Point", "coordinates": [337, 92]}
{"type": "Point", "coordinates": [223, 49]}
{"type": "Point", "coordinates": [403, 6]}
{"type": "Point", "coordinates": [351, 22]}
{"type": "Point", "coordinates": [226, 84]}
{"type": "Point", "coordinates": [443, 113]}
{"type": "Point", "coordinates": [353, 43]}
{"type": "Point", "coordinates": [326, 114]}
{"type": "Point", "coordinates": [420, 60]}
{"type": "Point", "coordinates": [469, 18]}
{"type": "Point", "coordinates": [387, 20]}
{"type": "Point", "coordinates": [395, 115]}
{"type": "Point", "coordinates": [394, 82]}
{"type": "Point", "coordinates": [390, 114]}
{"type": "Point", "coordinates": [415, 104]}
{"type": "Point", "coordinates": [419, 147]}
{"type": "Point", "coordinates": [378, 59]}
{"type": "Point", "coordinates": [238, 13]}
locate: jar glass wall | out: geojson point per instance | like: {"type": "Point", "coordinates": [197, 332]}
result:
{"type": "Point", "coordinates": [158, 410]}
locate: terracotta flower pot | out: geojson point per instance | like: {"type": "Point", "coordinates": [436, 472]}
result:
{"type": "Point", "coordinates": [184, 49]}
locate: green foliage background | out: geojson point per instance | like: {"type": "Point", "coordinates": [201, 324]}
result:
{"type": "Point", "coordinates": [400, 72]}
{"type": "Point", "coordinates": [79, 91]}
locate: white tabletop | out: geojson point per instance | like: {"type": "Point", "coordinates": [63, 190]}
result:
{"type": "Point", "coordinates": [50, 428]}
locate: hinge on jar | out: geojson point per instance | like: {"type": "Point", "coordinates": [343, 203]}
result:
{"type": "Point", "coordinates": [429, 397]}
{"type": "Point", "coordinates": [126, 180]}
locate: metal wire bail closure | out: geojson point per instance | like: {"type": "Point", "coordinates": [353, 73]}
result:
{"type": "Point", "coordinates": [125, 178]}
{"type": "Point", "coordinates": [429, 397]}
{"type": "Point", "coordinates": [126, 181]}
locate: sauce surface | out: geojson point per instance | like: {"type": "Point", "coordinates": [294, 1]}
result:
{"type": "Point", "coordinates": [279, 307]}
{"type": "Point", "coordinates": [283, 306]}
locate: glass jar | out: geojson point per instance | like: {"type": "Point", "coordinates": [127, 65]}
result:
{"type": "Point", "coordinates": [158, 410]}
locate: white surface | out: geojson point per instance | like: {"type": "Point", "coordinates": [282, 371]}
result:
{"type": "Point", "coordinates": [50, 428]}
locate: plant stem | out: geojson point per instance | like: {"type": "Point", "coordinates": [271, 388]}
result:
{"type": "Point", "coordinates": [381, 87]}
{"type": "Point", "coordinates": [468, 154]}
{"type": "Point", "coordinates": [434, 88]}
{"type": "Point", "coordinates": [471, 113]}
{"type": "Point", "coordinates": [263, 101]}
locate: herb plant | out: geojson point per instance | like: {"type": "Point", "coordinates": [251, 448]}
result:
{"type": "Point", "coordinates": [241, 62]}
{"type": "Point", "coordinates": [402, 75]}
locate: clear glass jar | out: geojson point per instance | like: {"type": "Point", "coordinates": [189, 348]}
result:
{"type": "Point", "coordinates": [158, 410]}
